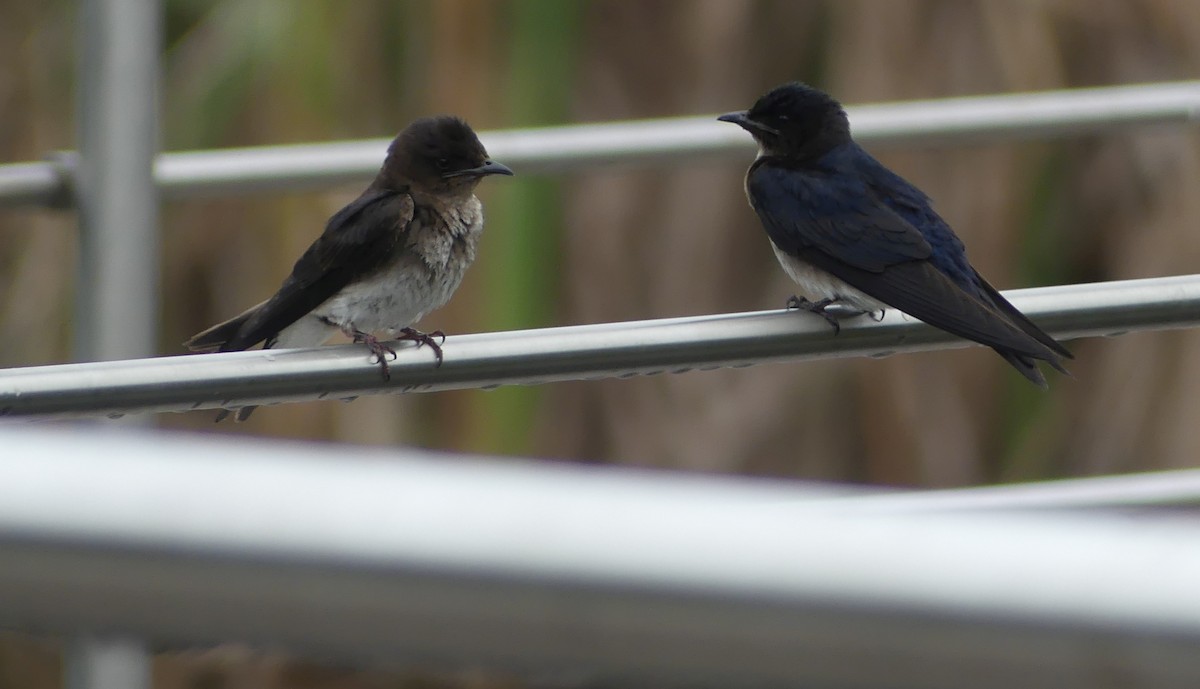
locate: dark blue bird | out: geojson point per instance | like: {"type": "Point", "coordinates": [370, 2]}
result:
{"type": "Point", "coordinates": [850, 231]}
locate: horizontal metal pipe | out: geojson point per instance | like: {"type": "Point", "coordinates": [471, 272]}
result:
{"type": "Point", "coordinates": [613, 575]}
{"type": "Point", "coordinates": [27, 184]}
{"type": "Point", "coordinates": [1162, 490]}
{"type": "Point", "coordinates": [553, 149]}
{"type": "Point", "coordinates": [530, 357]}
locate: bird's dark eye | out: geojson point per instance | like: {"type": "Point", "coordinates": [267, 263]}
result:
{"type": "Point", "coordinates": [442, 164]}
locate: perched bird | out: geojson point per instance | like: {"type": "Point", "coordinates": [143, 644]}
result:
{"type": "Point", "coordinates": [391, 256]}
{"type": "Point", "coordinates": [850, 231]}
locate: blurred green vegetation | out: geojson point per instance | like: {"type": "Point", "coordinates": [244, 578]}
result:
{"type": "Point", "coordinates": [521, 277]}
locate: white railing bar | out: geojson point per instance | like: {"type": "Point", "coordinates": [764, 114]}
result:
{"type": "Point", "coordinates": [1179, 489]}
{"type": "Point", "coordinates": [553, 149]}
{"type": "Point", "coordinates": [529, 357]}
{"type": "Point", "coordinates": [615, 575]}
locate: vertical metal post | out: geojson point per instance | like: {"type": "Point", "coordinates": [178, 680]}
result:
{"type": "Point", "coordinates": [107, 663]}
{"type": "Point", "coordinates": [117, 294]}
{"type": "Point", "coordinates": [117, 291]}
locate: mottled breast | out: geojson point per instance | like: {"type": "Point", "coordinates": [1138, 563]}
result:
{"type": "Point", "coordinates": [438, 248]}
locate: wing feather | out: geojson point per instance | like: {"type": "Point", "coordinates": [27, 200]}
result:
{"type": "Point", "coordinates": [837, 224]}
{"type": "Point", "coordinates": [357, 240]}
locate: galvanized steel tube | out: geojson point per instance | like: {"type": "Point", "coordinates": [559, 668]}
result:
{"type": "Point", "coordinates": [607, 575]}
{"type": "Point", "coordinates": [672, 345]}
{"type": "Point", "coordinates": [553, 149]}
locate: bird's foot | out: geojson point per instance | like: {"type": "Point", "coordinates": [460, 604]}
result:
{"type": "Point", "coordinates": [379, 351]}
{"type": "Point", "coordinates": [423, 339]}
{"type": "Point", "coordinates": [817, 307]}
{"type": "Point", "coordinates": [877, 316]}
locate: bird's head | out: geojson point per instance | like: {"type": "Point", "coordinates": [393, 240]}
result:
{"type": "Point", "coordinates": [438, 155]}
{"type": "Point", "coordinates": [794, 121]}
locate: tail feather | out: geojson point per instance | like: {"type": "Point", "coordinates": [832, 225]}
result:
{"type": "Point", "coordinates": [215, 338]}
{"type": "Point", "coordinates": [1022, 321]}
{"type": "Point", "coordinates": [239, 415]}
{"type": "Point", "coordinates": [1027, 366]}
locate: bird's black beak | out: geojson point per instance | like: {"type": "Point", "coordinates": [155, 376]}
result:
{"type": "Point", "coordinates": [489, 167]}
{"type": "Point", "coordinates": [742, 119]}
{"type": "Point", "coordinates": [738, 118]}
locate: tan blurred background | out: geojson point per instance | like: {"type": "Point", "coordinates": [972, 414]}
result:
{"type": "Point", "coordinates": [623, 244]}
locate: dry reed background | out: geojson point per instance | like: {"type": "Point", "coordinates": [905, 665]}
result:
{"type": "Point", "coordinates": [616, 245]}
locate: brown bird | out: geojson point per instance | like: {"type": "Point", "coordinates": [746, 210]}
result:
{"type": "Point", "coordinates": [391, 256]}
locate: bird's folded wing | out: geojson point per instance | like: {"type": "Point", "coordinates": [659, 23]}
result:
{"type": "Point", "coordinates": [357, 240]}
{"type": "Point", "coordinates": [922, 291]}
{"type": "Point", "coordinates": [838, 226]}
{"type": "Point", "coordinates": [802, 210]}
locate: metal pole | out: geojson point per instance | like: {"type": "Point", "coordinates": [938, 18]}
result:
{"type": "Point", "coordinates": [116, 310]}
{"type": "Point", "coordinates": [107, 662]}
{"type": "Point", "coordinates": [117, 294]}
{"type": "Point", "coordinates": [1068, 112]}
{"type": "Point", "coordinates": [530, 357]}
{"type": "Point", "coordinates": [614, 575]}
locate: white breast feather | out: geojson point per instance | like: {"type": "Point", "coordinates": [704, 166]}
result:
{"type": "Point", "coordinates": [816, 284]}
{"type": "Point", "coordinates": [420, 280]}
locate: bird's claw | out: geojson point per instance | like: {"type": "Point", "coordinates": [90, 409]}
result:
{"type": "Point", "coordinates": [817, 307]}
{"type": "Point", "coordinates": [423, 339]}
{"type": "Point", "coordinates": [379, 352]}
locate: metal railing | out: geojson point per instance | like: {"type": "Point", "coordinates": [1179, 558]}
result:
{"type": "Point", "coordinates": [557, 354]}
{"type": "Point", "coordinates": [551, 149]}
{"type": "Point", "coordinates": [636, 576]}
{"type": "Point", "coordinates": [598, 574]}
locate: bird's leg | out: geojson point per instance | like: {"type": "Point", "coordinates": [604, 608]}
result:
{"type": "Point", "coordinates": [378, 350]}
{"type": "Point", "coordinates": [817, 307]}
{"type": "Point", "coordinates": [425, 339]}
